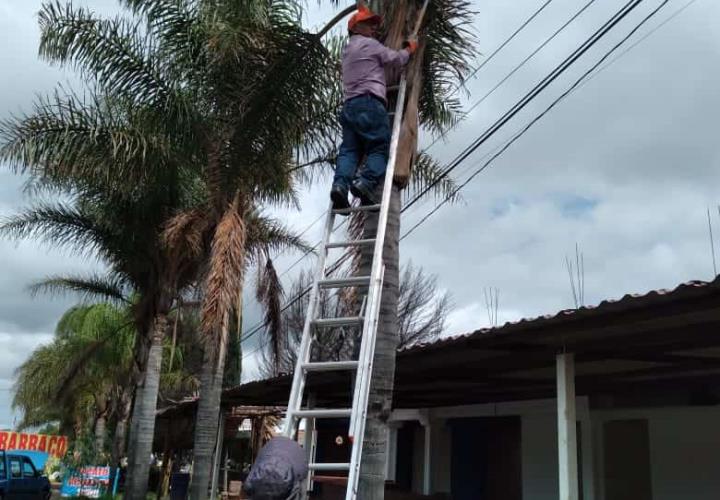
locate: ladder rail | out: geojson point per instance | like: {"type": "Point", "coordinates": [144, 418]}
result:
{"type": "Point", "coordinates": [298, 384]}
{"type": "Point", "coordinates": [363, 371]}
{"type": "Point", "coordinates": [362, 385]}
{"type": "Point", "coordinates": [364, 359]}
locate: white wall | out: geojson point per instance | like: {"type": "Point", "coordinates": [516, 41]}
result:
{"type": "Point", "coordinates": [441, 448]}
{"type": "Point", "coordinates": [684, 450]}
{"type": "Point", "coordinates": [539, 457]}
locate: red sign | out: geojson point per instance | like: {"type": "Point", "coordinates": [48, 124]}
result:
{"type": "Point", "coordinates": [55, 446]}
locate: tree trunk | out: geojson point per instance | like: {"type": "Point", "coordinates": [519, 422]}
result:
{"type": "Point", "coordinates": [143, 424]}
{"type": "Point", "coordinates": [100, 432]}
{"type": "Point", "coordinates": [123, 416]}
{"type": "Point", "coordinates": [372, 470]}
{"type": "Point", "coordinates": [207, 417]}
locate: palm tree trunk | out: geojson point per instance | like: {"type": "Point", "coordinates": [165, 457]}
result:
{"type": "Point", "coordinates": [123, 416]}
{"type": "Point", "coordinates": [100, 431]}
{"type": "Point", "coordinates": [372, 470]}
{"type": "Point", "coordinates": [143, 424]}
{"type": "Point", "coordinates": [208, 414]}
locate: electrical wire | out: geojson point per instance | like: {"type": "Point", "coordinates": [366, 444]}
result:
{"type": "Point", "coordinates": [622, 13]}
{"type": "Point", "coordinates": [559, 70]}
{"type": "Point", "coordinates": [509, 75]}
{"type": "Point", "coordinates": [530, 96]}
{"type": "Point", "coordinates": [510, 38]}
{"type": "Point", "coordinates": [535, 120]}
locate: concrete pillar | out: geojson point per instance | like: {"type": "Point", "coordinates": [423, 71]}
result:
{"type": "Point", "coordinates": [567, 438]}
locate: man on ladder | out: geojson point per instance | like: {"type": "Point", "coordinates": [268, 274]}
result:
{"type": "Point", "coordinates": [282, 466]}
{"type": "Point", "coordinates": [364, 117]}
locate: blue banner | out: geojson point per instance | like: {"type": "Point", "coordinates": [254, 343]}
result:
{"type": "Point", "coordinates": [89, 482]}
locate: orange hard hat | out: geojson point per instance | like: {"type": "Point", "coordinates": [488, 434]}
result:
{"type": "Point", "coordinates": [363, 14]}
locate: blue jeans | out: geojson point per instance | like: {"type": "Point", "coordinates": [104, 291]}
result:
{"type": "Point", "coordinates": [366, 131]}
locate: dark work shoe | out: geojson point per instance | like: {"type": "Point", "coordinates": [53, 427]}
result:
{"type": "Point", "coordinates": [361, 190]}
{"type": "Point", "coordinates": [339, 197]}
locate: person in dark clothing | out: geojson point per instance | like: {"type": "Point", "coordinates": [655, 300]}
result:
{"type": "Point", "coordinates": [279, 472]}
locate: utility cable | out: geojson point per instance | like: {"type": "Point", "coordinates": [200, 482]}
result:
{"type": "Point", "coordinates": [559, 70]}
{"type": "Point", "coordinates": [510, 75]}
{"type": "Point", "coordinates": [535, 120]}
{"type": "Point", "coordinates": [530, 96]}
{"type": "Point", "coordinates": [510, 39]}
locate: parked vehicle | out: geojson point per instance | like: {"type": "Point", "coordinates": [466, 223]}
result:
{"type": "Point", "coordinates": [20, 480]}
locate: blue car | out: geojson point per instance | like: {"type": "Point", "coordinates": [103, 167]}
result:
{"type": "Point", "coordinates": [20, 480]}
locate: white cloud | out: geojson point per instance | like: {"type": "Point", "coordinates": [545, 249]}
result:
{"type": "Point", "coordinates": [639, 142]}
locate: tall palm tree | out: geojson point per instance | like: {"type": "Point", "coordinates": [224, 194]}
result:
{"type": "Point", "coordinates": [89, 359]}
{"type": "Point", "coordinates": [124, 232]}
{"type": "Point", "coordinates": [186, 98]}
{"type": "Point", "coordinates": [435, 73]}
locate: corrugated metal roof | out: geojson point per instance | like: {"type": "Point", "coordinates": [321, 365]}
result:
{"type": "Point", "coordinates": [628, 301]}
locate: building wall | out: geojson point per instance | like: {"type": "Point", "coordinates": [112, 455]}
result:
{"type": "Point", "coordinates": [539, 457]}
{"type": "Point", "coordinates": [684, 450]}
{"type": "Point", "coordinates": [441, 447]}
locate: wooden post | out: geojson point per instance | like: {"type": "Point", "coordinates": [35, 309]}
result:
{"type": "Point", "coordinates": [567, 438]}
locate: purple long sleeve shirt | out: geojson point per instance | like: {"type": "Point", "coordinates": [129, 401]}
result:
{"type": "Point", "coordinates": [364, 62]}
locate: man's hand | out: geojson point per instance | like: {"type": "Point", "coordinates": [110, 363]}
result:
{"type": "Point", "coordinates": [411, 45]}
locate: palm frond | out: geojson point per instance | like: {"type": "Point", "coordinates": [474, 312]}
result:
{"type": "Point", "coordinates": [429, 172]}
{"type": "Point", "coordinates": [269, 293]}
{"type": "Point", "coordinates": [184, 233]}
{"type": "Point", "coordinates": [268, 235]}
{"type": "Point", "coordinates": [111, 51]}
{"type": "Point", "coordinates": [59, 224]}
{"type": "Point", "coordinates": [225, 276]}
{"type": "Point", "coordinates": [449, 48]}
{"type": "Point", "coordinates": [91, 288]}
{"type": "Point", "coordinates": [71, 137]}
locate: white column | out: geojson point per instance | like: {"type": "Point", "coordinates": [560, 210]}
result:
{"type": "Point", "coordinates": [391, 463]}
{"type": "Point", "coordinates": [567, 439]}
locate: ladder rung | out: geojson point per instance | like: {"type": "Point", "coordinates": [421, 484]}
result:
{"type": "Point", "coordinates": [329, 366]}
{"type": "Point", "coordinates": [393, 88]}
{"type": "Point", "coordinates": [336, 322]}
{"type": "Point", "coordinates": [352, 243]}
{"type": "Point", "coordinates": [329, 467]}
{"type": "Point", "coordinates": [344, 282]}
{"type": "Point", "coordinates": [361, 208]}
{"type": "Point", "coordinates": [324, 413]}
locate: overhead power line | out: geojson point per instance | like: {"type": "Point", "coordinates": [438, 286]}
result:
{"type": "Point", "coordinates": [530, 96]}
{"type": "Point", "coordinates": [489, 58]}
{"type": "Point", "coordinates": [630, 6]}
{"type": "Point", "coordinates": [559, 70]}
{"type": "Point", "coordinates": [539, 117]}
{"type": "Point", "coordinates": [510, 38]}
{"type": "Point", "coordinates": [525, 61]}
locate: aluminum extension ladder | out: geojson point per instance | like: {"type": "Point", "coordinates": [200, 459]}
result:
{"type": "Point", "coordinates": [367, 318]}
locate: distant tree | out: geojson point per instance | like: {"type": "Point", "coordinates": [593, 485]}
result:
{"type": "Point", "coordinates": [422, 312]}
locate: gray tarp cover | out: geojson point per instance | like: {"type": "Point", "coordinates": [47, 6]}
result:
{"type": "Point", "coordinates": [279, 470]}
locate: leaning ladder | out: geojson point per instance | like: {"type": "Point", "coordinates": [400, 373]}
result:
{"type": "Point", "coordinates": [367, 318]}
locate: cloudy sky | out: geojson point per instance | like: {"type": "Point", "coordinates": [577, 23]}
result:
{"type": "Point", "coordinates": [626, 168]}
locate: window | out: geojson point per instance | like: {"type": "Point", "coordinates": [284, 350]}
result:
{"type": "Point", "coordinates": [15, 468]}
{"type": "Point", "coordinates": [2, 467]}
{"type": "Point", "coordinates": [28, 468]}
